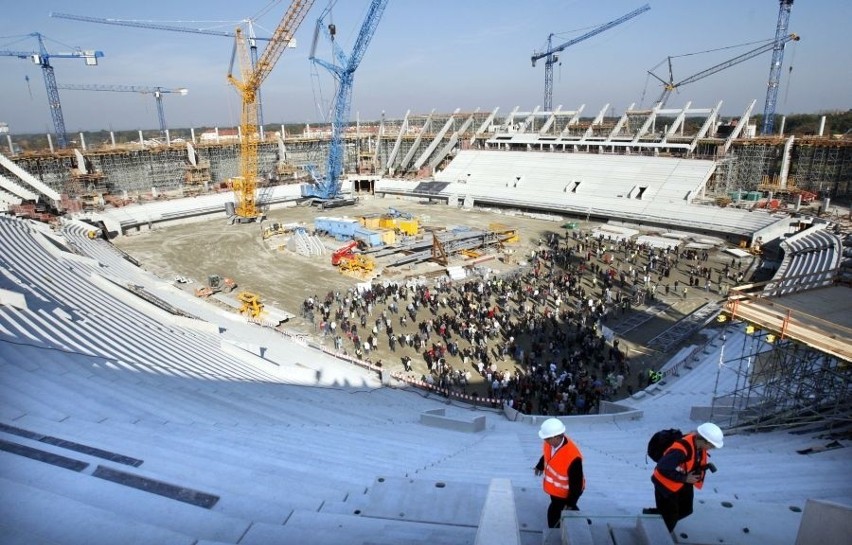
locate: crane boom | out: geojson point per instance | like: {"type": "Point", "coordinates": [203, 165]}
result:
{"type": "Point", "coordinates": [551, 57]}
{"type": "Point", "coordinates": [245, 185]}
{"type": "Point", "coordinates": [158, 93]}
{"type": "Point", "coordinates": [670, 85]}
{"type": "Point", "coordinates": [42, 58]}
{"type": "Point", "coordinates": [328, 186]}
{"type": "Point", "coordinates": [775, 67]}
{"type": "Point", "coordinates": [146, 24]}
{"type": "Point", "coordinates": [153, 25]}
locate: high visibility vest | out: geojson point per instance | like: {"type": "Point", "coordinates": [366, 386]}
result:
{"type": "Point", "coordinates": [686, 467]}
{"type": "Point", "coordinates": [556, 467]}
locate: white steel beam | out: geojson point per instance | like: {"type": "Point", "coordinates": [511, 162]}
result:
{"type": "Point", "coordinates": [435, 141]}
{"type": "Point", "coordinates": [395, 151]}
{"type": "Point", "coordinates": [436, 160]}
{"type": "Point", "coordinates": [17, 190]}
{"type": "Point", "coordinates": [485, 124]}
{"type": "Point", "coordinates": [620, 124]}
{"type": "Point", "coordinates": [740, 126]}
{"type": "Point", "coordinates": [677, 123]}
{"type": "Point", "coordinates": [403, 165]}
{"type": "Point", "coordinates": [711, 119]}
{"type": "Point", "coordinates": [41, 187]}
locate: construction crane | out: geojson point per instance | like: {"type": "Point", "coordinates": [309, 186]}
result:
{"type": "Point", "coordinates": [550, 53]}
{"type": "Point", "coordinates": [775, 67]}
{"type": "Point", "coordinates": [326, 189]}
{"type": "Point", "coordinates": [42, 58]}
{"type": "Point", "coordinates": [158, 93]}
{"type": "Point", "coordinates": [671, 85]}
{"type": "Point", "coordinates": [252, 76]}
{"type": "Point", "coordinates": [151, 25]}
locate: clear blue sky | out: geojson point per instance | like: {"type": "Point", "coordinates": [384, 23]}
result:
{"type": "Point", "coordinates": [441, 54]}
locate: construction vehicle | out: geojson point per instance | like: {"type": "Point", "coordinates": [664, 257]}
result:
{"type": "Point", "coordinates": [326, 189]}
{"type": "Point", "coordinates": [251, 304]}
{"type": "Point", "coordinates": [344, 252]}
{"type": "Point", "coordinates": [273, 229]}
{"type": "Point", "coordinates": [357, 263]}
{"type": "Point", "coordinates": [216, 284]}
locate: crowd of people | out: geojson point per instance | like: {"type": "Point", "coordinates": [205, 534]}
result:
{"type": "Point", "coordinates": [530, 337]}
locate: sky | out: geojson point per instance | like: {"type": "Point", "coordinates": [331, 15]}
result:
{"type": "Point", "coordinates": [425, 55]}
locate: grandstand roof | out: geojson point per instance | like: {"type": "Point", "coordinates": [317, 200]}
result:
{"type": "Point", "coordinates": [129, 423]}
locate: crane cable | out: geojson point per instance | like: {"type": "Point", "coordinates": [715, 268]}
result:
{"type": "Point", "coordinates": [789, 76]}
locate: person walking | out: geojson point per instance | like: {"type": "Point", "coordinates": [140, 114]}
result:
{"type": "Point", "coordinates": [561, 464]}
{"type": "Point", "coordinates": [682, 469]}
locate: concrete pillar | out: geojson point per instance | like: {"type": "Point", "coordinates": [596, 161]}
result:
{"type": "Point", "coordinates": [141, 140]}
{"type": "Point", "coordinates": [192, 135]}
{"type": "Point", "coordinates": [50, 142]}
{"type": "Point", "coordinates": [82, 142]}
{"type": "Point", "coordinates": [168, 140]}
{"type": "Point", "coordinates": [11, 147]}
{"type": "Point", "coordinates": [112, 138]}
{"type": "Point", "coordinates": [798, 202]}
{"type": "Point", "coordinates": [785, 162]}
{"type": "Point", "coordinates": [821, 125]}
{"type": "Point", "coordinates": [783, 122]}
{"type": "Point", "coordinates": [217, 135]}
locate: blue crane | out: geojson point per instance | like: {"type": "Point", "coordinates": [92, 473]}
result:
{"type": "Point", "coordinates": [775, 67]}
{"type": "Point", "coordinates": [550, 52]}
{"type": "Point", "coordinates": [42, 58]}
{"type": "Point", "coordinates": [158, 93]}
{"type": "Point", "coordinates": [151, 25]}
{"type": "Point", "coordinates": [327, 187]}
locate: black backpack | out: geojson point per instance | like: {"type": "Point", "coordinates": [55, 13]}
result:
{"type": "Point", "coordinates": [662, 440]}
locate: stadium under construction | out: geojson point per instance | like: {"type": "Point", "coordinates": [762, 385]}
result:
{"type": "Point", "coordinates": [188, 286]}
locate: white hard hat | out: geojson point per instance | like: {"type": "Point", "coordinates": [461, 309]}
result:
{"type": "Point", "coordinates": [712, 433]}
{"type": "Point", "coordinates": [551, 428]}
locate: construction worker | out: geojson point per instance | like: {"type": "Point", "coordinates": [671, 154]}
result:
{"type": "Point", "coordinates": [562, 466]}
{"type": "Point", "coordinates": [681, 469]}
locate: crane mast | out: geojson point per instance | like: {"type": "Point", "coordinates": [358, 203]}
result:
{"type": "Point", "coordinates": [775, 67]}
{"type": "Point", "coordinates": [550, 53]}
{"type": "Point", "coordinates": [42, 58]}
{"type": "Point", "coordinates": [245, 186]}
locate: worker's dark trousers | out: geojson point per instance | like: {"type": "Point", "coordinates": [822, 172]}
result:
{"type": "Point", "coordinates": [674, 506]}
{"type": "Point", "coordinates": [554, 512]}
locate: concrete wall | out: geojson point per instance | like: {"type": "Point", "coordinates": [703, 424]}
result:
{"type": "Point", "coordinates": [610, 412]}
{"type": "Point", "coordinates": [436, 419]}
{"type": "Point", "coordinates": [825, 523]}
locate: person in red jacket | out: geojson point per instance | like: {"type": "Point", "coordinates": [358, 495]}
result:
{"type": "Point", "coordinates": [561, 464]}
{"type": "Point", "coordinates": [682, 469]}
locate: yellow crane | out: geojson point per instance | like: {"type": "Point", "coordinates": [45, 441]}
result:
{"type": "Point", "coordinates": [245, 185]}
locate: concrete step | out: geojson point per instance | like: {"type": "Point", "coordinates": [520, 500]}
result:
{"type": "Point", "coordinates": [122, 501]}
{"type": "Point", "coordinates": [54, 518]}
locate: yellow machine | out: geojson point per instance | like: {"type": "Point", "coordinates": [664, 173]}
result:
{"type": "Point", "coordinates": [245, 185]}
{"type": "Point", "coordinates": [251, 304]}
{"type": "Point", "coordinates": [357, 263]}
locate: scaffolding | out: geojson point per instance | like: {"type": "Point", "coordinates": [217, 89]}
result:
{"type": "Point", "coordinates": [794, 366]}
{"type": "Point", "coordinates": [781, 384]}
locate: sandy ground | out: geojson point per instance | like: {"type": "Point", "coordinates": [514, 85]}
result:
{"type": "Point", "coordinates": [284, 279]}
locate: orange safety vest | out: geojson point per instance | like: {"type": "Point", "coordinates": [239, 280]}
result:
{"type": "Point", "coordinates": [685, 467]}
{"type": "Point", "coordinates": [556, 467]}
